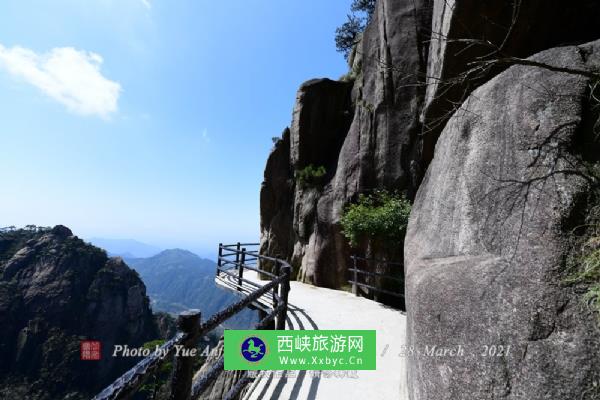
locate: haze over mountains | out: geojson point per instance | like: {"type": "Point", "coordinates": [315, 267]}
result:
{"type": "Point", "coordinates": [178, 280]}
{"type": "Point", "coordinates": [132, 248]}
{"type": "Point", "coordinates": [126, 248]}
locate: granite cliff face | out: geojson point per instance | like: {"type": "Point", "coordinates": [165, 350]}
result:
{"type": "Point", "coordinates": [56, 290]}
{"type": "Point", "coordinates": [489, 234]}
{"type": "Point", "coordinates": [364, 132]}
{"type": "Point", "coordinates": [412, 69]}
{"type": "Point", "coordinates": [495, 148]}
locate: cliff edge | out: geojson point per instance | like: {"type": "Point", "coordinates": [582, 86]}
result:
{"type": "Point", "coordinates": [56, 290]}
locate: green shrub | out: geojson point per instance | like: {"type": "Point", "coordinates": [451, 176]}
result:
{"type": "Point", "coordinates": [310, 176]}
{"type": "Point", "coordinates": [592, 297]}
{"type": "Point", "coordinates": [589, 267]}
{"type": "Point", "coordinates": [583, 258]}
{"type": "Point", "coordinates": [379, 216]}
{"type": "Point", "coordinates": [160, 377]}
{"type": "Point", "coordinates": [588, 272]}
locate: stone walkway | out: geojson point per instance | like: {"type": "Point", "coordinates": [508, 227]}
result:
{"type": "Point", "coordinates": [312, 307]}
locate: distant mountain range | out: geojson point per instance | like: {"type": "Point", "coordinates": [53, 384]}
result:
{"type": "Point", "coordinates": [126, 248]}
{"type": "Point", "coordinates": [177, 280]}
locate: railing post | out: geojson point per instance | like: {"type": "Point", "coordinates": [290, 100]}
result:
{"type": "Point", "coordinates": [285, 290]}
{"type": "Point", "coordinates": [355, 279]}
{"type": "Point", "coordinates": [276, 288]}
{"type": "Point", "coordinates": [376, 281]}
{"type": "Point", "coordinates": [241, 269]}
{"type": "Point", "coordinates": [181, 381]}
{"type": "Point", "coordinates": [237, 254]}
{"type": "Point", "coordinates": [219, 262]}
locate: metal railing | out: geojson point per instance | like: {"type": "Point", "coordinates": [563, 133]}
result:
{"type": "Point", "coordinates": [379, 276]}
{"type": "Point", "coordinates": [234, 259]}
{"type": "Point", "coordinates": [191, 329]}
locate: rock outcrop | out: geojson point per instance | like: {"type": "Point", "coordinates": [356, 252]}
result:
{"type": "Point", "coordinates": [410, 74]}
{"type": "Point", "coordinates": [56, 290]}
{"type": "Point", "coordinates": [365, 133]}
{"type": "Point", "coordinates": [488, 236]}
{"type": "Point", "coordinates": [290, 214]}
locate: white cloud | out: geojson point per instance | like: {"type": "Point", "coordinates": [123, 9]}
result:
{"type": "Point", "coordinates": [69, 76]}
{"type": "Point", "coordinates": [147, 4]}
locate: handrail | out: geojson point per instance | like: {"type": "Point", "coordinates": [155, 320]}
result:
{"type": "Point", "coordinates": [230, 311]}
{"type": "Point", "coordinates": [244, 380]}
{"type": "Point", "coordinates": [200, 385]}
{"type": "Point", "coordinates": [377, 274]}
{"type": "Point", "coordinates": [132, 380]}
{"type": "Point", "coordinates": [191, 329]}
{"type": "Point", "coordinates": [267, 273]}
{"type": "Point", "coordinates": [241, 264]}
{"type": "Point", "coordinates": [246, 266]}
{"type": "Point", "coordinates": [377, 289]}
{"type": "Point", "coordinates": [356, 284]}
{"type": "Point", "coordinates": [228, 272]}
{"type": "Point", "coordinates": [376, 260]}
{"type": "Point", "coordinates": [239, 244]}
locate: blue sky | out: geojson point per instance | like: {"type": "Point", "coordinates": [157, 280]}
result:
{"type": "Point", "coordinates": [152, 119]}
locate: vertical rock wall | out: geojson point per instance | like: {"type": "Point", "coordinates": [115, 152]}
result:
{"type": "Point", "coordinates": [488, 237]}
{"type": "Point", "coordinates": [485, 247]}
{"type": "Point", "coordinates": [365, 133]}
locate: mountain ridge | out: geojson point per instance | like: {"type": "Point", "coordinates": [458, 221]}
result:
{"type": "Point", "coordinates": [55, 291]}
{"type": "Point", "coordinates": [178, 279]}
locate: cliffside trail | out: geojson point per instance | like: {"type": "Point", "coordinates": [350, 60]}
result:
{"type": "Point", "coordinates": [313, 307]}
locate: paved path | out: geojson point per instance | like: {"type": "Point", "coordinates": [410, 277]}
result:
{"type": "Point", "coordinates": [312, 307]}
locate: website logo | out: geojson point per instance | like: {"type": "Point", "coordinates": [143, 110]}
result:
{"type": "Point", "coordinates": [253, 349]}
{"type": "Point", "coordinates": [309, 350]}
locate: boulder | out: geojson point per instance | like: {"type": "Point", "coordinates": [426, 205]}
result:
{"type": "Point", "coordinates": [488, 236]}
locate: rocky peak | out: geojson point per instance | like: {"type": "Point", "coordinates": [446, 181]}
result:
{"type": "Point", "coordinates": [321, 119]}
{"type": "Point", "coordinates": [55, 290]}
{"type": "Point", "coordinates": [61, 231]}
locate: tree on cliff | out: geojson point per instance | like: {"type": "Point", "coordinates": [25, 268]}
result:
{"type": "Point", "coordinates": [347, 35]}
{"type": "Point", "coordinates": [364, 6]}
